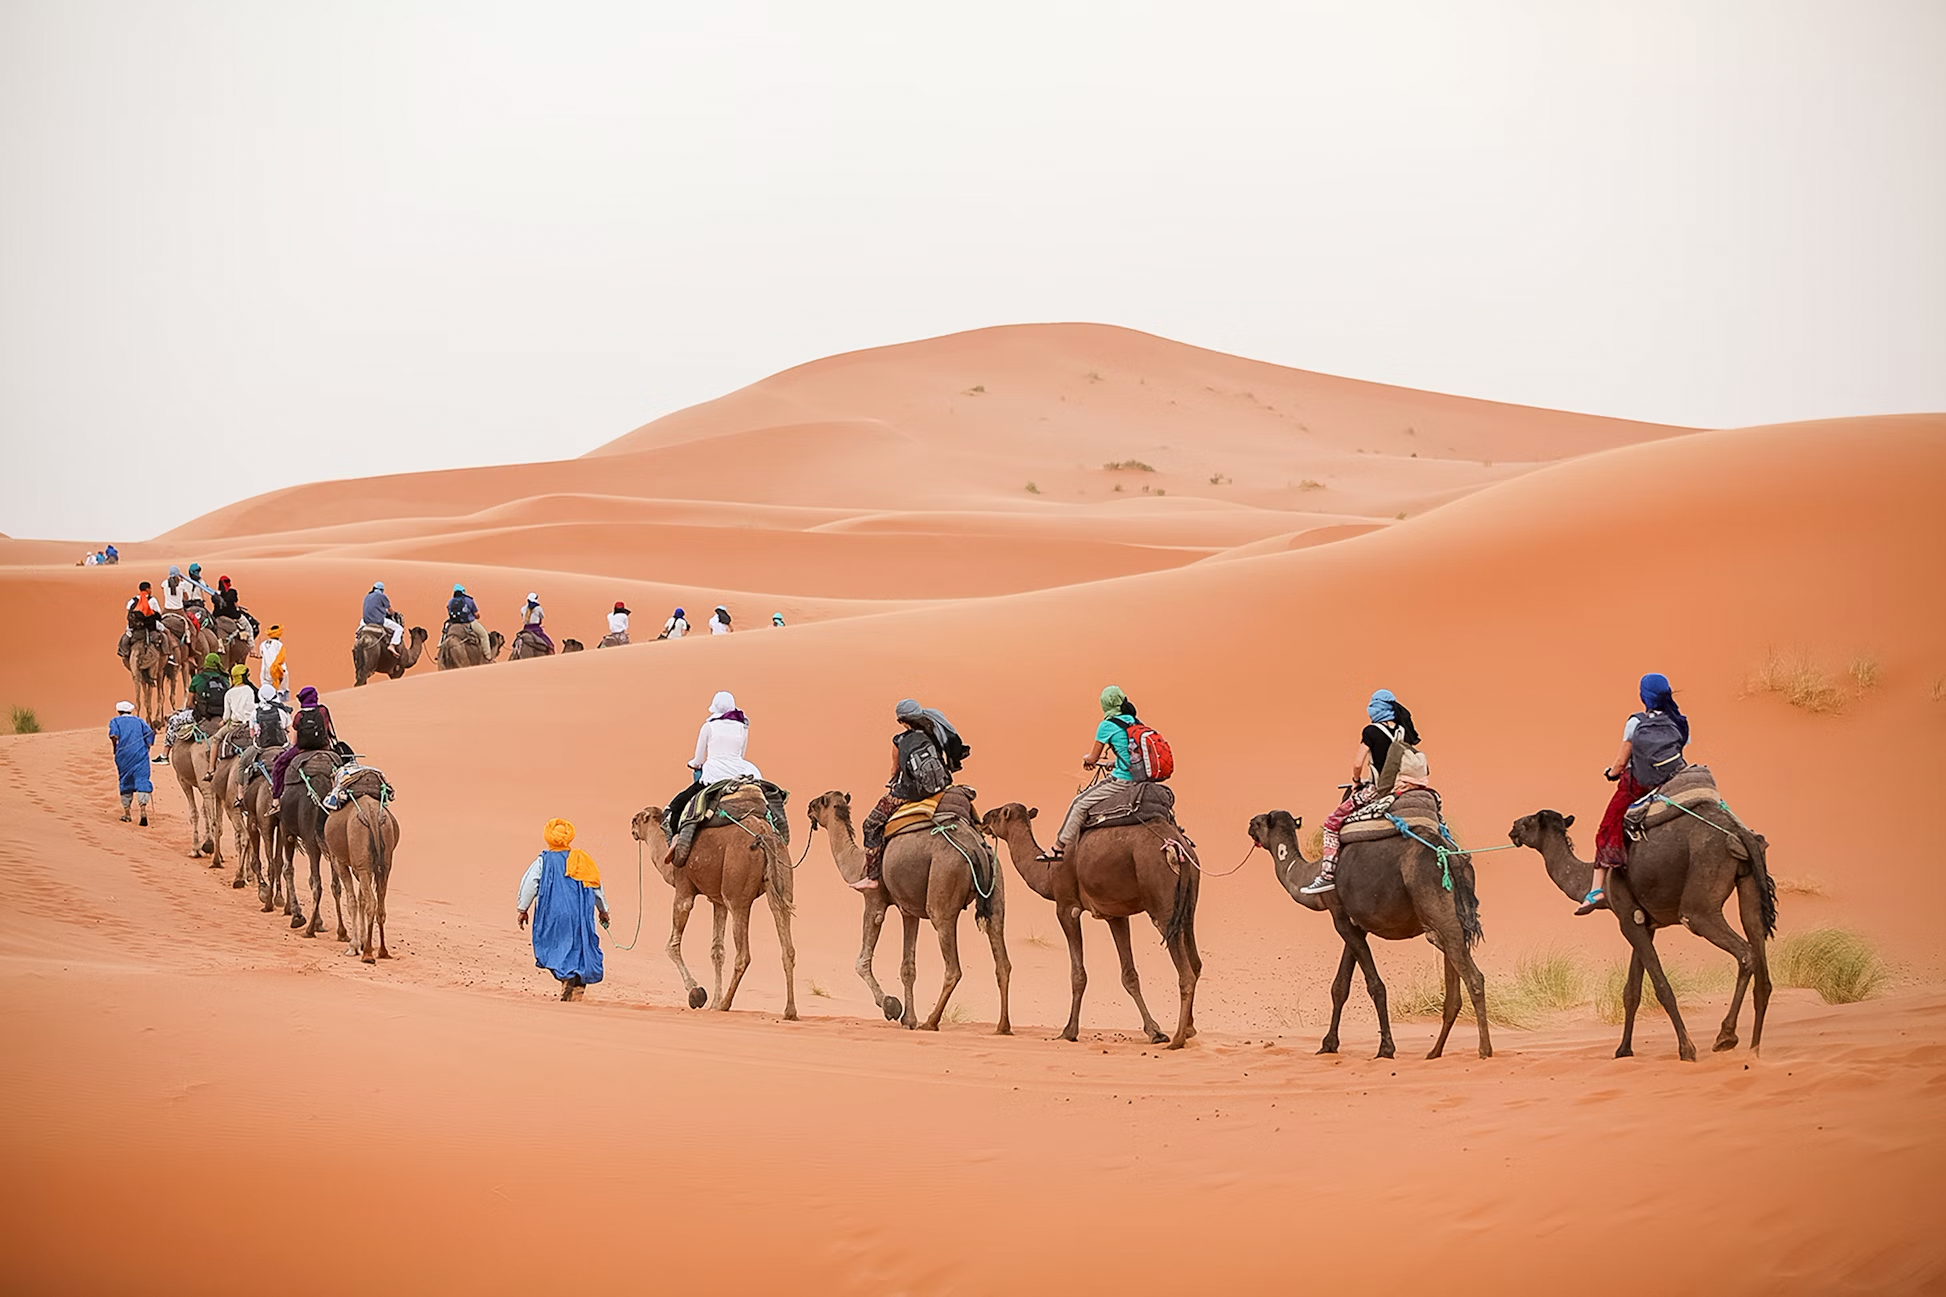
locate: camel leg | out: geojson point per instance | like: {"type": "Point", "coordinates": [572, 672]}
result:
{"type": "Point", "coordinates": [1070, 922]}
{"type": "Point", "coordinates": [678, 920]}
{"type": "Point", "coordinates": [868, 951]}
{"type": "Point", "coordinates": [384, 882]}
{"type": "Point", "coordinates": [1476, 989]}
{"type": "Point", "coordinates": [1340, 992]}
{"type": "Point", "coordinates": [1631, 1001]}
{"type": "Point", "coordinates": [1003, 968]}
{"type": "Point", "coordinates": [1712, 928]}
{"type": "Point", "coordinates": [337, 895]}
{"type": "Point", "coordinates": [1375, 987]}
{"type": "Point", "coordinates": [740, 927]}
{"type": "Point", "coordinates": [789, 949]}
{"type": "Point", "coordinates": [1449, 1011]}
{"type": "Point", "coordinates": [719, 918]}
{"type": "Point", "coordinates": [948, 930]}
{"type": "Point", "coordinates": [1132, 982]}
{"type": "Point", "coordinates": [1186, 978]}
{"type": "Point", "coordinates": [1750, 910]}
{"type": "Point", "coordinates": [316, 925]}
{"type": "Point", "coordinates": [1643, 940]}
{"type": "Point", "coordinates": [909, 966]}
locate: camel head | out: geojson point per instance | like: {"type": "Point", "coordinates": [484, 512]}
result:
{"type": "Point", "coordinates": [1003, 820]}
{"type": "Point", "coordinates": [1268, 828]}
{"type": "Point", "coordinates": [495, 641]}
{"type": "Point", "coordinates": [829, 808]}
{"type": "Point", "coordinates": [572, 646]}
{"type": "Point", "coordinates": [647, 820]}
{"type": "Point", "coordinates": [1533, 830]}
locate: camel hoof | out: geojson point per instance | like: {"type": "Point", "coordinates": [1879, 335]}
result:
{"type": "Point", "coordinates": [790, 1015]}
{"type": "Point", "coordinates": [1177, 1044]}
{"type": "Point", "coordinates": [1624, 1052]}
{"type": "Point", "coordinates": [1437, 1051]}
{"type": "Point", "coordinates": [1486, 1051]}
{"type": "Point", "coordinates": [893, 1009]}
{"type": "Point", "coordinates": [236, 885]}
{"type": "Point", "coordinates": [1686, 1052]}
{"type": "Point", "coordinates": [370, 959]}
{"type": "Point", "coordinates": [208, 846]}
{"type": "Point", "coordinates": [1003, 1029]}
{"type": "Point", "coordinates": [1070, 1034]}
{"type": "Point", "coordinates": [1723, 1043]}
{"type": "Point", "coordinates": [910, 1024]}
{"type": "Point", "coordinates": [1386, 1051]}
{"type": "Point", "coordinates": [1157, 1037]}
{"type": "Point", "coordinates": [698, 997]}
{"type": "Point", "coordinates": [383, 953]}
{"type": "Point", "coordinates": [297, 920]}
{"type": "Point", "coordinates": [1328, 1047]}
{"type": "Point", "coordinates": [266, 909]}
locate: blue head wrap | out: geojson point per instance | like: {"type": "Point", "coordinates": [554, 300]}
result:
{"type": "Point", "coordinates": [1658, 696]}
{"type": "Point", "coordinates": [1380, 708]}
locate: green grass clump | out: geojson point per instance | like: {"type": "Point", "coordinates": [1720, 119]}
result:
{"type": "Point", "coordinates": [1549, 981]}
{"type": "Point", "coordinates": [1841, 966]}
{"type": "Point", "coordinates": [24, 720]}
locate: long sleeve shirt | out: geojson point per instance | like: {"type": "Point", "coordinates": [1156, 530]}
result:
{"type": "Point", "coordinates": [530, 886]}
{"type": "Point", "coordinates": [240, 704]}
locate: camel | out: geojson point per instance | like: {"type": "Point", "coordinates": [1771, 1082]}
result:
{"type": "Point", "coordinates": [300, 823]}
{"type": "Point", "coordinates": [257, 836]}
{"type": "Point", "coordinates": [191, 758]}
{"type": "Point", "coordinates": [927, 876]}
{"type": "Point", "coordinates": [528, 645]}
{"type": "Point", "coordinates": [1682, 872]}
{"type": "Point", "coordinates": [572, 646]}
{"type": "Point", "coordinates": [235, 639]}
{"type": "Point", "coordinates": [462, 650]}
{"type": "Point", "coordinates": [1114, 873]}
{"type": "Point", "coordinates": [372, 653]}
{"type": "Point", "coordinates": [219, 793]}
{"type": "Point", "coordinates": [1391, 888]}
{"type": "Point", "coordinates": [361, 836]}
{"type": "Point", "coordinates": [613, 639]}
{"type": "Point", "coordinates": [730, 866]}
{"type": "Point", "coordinates": [148, 659]}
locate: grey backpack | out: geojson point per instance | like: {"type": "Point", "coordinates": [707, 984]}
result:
{"type": "Point", "coordinates": [1655, 752]}
{"type": "Point", "coordinates": [922, 771]}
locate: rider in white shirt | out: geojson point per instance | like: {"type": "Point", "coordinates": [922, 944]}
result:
{"type": "Point", "coordinates": [675, 628]}
{"type": "Point", "coordinates": [618, 623]}
{"type": "Point", "coordinates": [719, 621]}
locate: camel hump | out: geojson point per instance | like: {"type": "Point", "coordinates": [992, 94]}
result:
{"type": "Point", "coordinates": [1692, 790]}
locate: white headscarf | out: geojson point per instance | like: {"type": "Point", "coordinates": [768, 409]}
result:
{"type": "Point", "coordinates": [723, 703]}
{"type": "Point", "coordinates": [124, 709]}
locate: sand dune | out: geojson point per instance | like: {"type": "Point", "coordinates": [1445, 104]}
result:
{"type": "Point", "coordinates": [148, 1002]}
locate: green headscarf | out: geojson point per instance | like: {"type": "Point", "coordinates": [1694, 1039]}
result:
{"type": "Point", "coordinates": [1112, 700]}
{"type": "Point", "coordinates": [212, 662]}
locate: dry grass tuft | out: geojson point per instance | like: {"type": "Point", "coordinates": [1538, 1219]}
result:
{"type": "Point", "coordinates": [1128, 466]}
{"type": "Point", "coordinates": [1036, 939]}
{"type": "Point", "coordinates": [1864, 672]}
{"type": "Point", "coordinates": [1939, 690]}
{"type": "Point", "coordinates": [1543, 982]}
{"type": "Point", "coordinates": [1218, 479]}
{"type": "Point", "coordinates": [1032, 489]}
{"type": "Point", "coordinates": [954, 1013]}
{"type": "Point", "coordinates": [24, 720]}
{"type": "Point", "coordinates": [978, 389]}
{"type": "Point", "coordinates": [1798, 886]}
{"type": "Point", "coordinates": [1841, 966]}
{"type": "Point", "coordinates": [1311, 842]}
{"type": "Point", "coordinates": [818, 989]}
{"type": "Point", "coordinates": [1310, 484]}
{"type": "Point", "coordinates": [1801, 682]}
{"type": "Point", "coordinates": [1688, 983]}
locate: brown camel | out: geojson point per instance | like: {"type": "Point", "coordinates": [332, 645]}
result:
{"type": "Point", "coordinates": [220, 789]}
{"type": "Point", "coordinates": [528, 645]}
{"type": "Point", "coordinates": [1682, 872]}
{"type": "Point", "coordinates": [730, 866]}
{"type": "Point", "coordinates": [458, 647]}
{"type": "Point", "coordinates": [191, 758]}
{"type": "Point", "coordinates": [1114, 873]}
{"type": "Point", "coordinates": [148, 660]}
{"type": "Point", "coordinates": [927, 876]}
{"type": "Point", "coordinates": [572, 646]}
{"type": "Point", "coordinates": [361, 836]}
{"type": "Point", "coordinates": [613, 639]}
{"type": "Point", "coordinates": [300, 823]}
{"type": "Point", "coordinates": [1391, 888]}
{"type": "Point", "coordinates": [258, 835]}
{"type": "Point", "coordinates": [185, 655]}
{"type": "Point", "coordinates": [235, 639]}
{"type": "Point", "coordinates": [372, 653]}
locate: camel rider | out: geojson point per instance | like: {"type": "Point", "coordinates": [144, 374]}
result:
{"type": "Point", "coordinates": [198, 597]}
{"type": "Point", "coordinates": [676, 627]}
{"type": "Point", "coordinates": [143, 615]}
{"type": "Point", "coordinates": [531, 617]}
{"type": "Point", "coordinates": [462, 612]}
{"type": "Point", "coordinates": [1373, 775]}
{"type": "Point", "coordinates": [175, 593]}
{"type": "Point", "coordinates": [926, 753]}
{"type": "Point", "coordinates": [720, 747]}
{"type": "Point", "coordinates": [618, 623]}
{"type": "Point", "coordinates": [207, 691]}
{"type": "Point", "coordinates": [377, 613]}
{"type": "Point", "coordinates": [1652, 753]}
{"type": "Point", "coordinates": [565, 883]}
{"type": "Point", "coordinates": [239, 705]}
{"type": "Point", "coordinates": [226, 601]}
{"type": "Point", "coordinates": [269, 725]}
{"type": "Point", "coordinates": [1109, 753]}
{"type": "Point", "coordinates": [311, 731]}
{"type": "Point", "coordinates": [719, 621]}
{"type": "Point", "coordinates": [111, 555]}
{"type": "Point", "coordinates": [777, 619]}
{"type": "Point", "coordinates": [276, 669]}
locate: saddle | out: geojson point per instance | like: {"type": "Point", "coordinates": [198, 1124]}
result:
{"type": "Point", "coordinates": [356, 780]}
{"type": "Point", "coordinates": [939, 810]}
{"type": "Point", "coordinates": [1418, 807]}
{"type": "Point", "coordinates": [736, 798]}
{"type": "Point", "coordinates": [1133, 803]}
{"type": "Point", "coordinates": [1693, 788]}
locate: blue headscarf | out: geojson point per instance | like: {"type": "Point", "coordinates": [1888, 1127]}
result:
{"type": "Point", "coordinates": [1658, 696]}
{"type": "Point", "coordinates": [1380, 708]}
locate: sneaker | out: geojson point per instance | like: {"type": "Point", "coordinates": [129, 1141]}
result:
{"type": "Point", "coordinates": [124, 817]}
{"type": "Point", "coordinates": [1595, 900]}
{"type": "Point", "coordinates": [1322, 883]}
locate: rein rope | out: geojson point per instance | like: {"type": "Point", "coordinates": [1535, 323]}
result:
{"type": "Point", "coordinates": [638, 900]}
{"type": "Point", "coordinates": [1728, 833]}
{"type": "Point", "coordinates": [1254, 846]}
{"type": "Point", "coordinates": [945, 831]}
{"type": "Point", "coordinates": [1447, 850]}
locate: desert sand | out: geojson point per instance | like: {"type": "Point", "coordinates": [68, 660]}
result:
{"type": "Point", "coordinates": [199, 1100]}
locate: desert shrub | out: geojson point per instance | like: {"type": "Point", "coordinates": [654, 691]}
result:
{"type": "Point", "coordinates": [24, 720]}
{"type": "Point", "coordinates": [1550, 980]}
{"type": "Point", "coordinates": [1128, 466]}
{"type": "Point", "coordinates": [1217, 479]}
{"type": "Point", "coordinates": [1032, 489]}
{"type": "Point", "coordinates": [1841, 966]}
{"type": "Point", "coordinates": [1799, 680]}
{"type": "Point", "coordinates": [1864, 672]}
{"type": "Point", "coordinates": [1688, 983]}
{"type": "Point", "coordinates": [818, 989]}
{"type": "Point", "coordinates": [1310, 484]}
{"type": "Point", "coordinates": [978, 389]}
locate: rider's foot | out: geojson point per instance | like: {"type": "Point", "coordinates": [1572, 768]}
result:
{"type": "Point", "coordinates": [124, 817]}
{"type": "Point", "coordinates": [1049, 856]}
{"type": "Point", "coordinates": [143, 823]}
{"type": "Point", "coordinates": [866, 884]}
{"type": "Point", "coordinates": [1324, 882]}
{"type": "Point", "coordinates": [1594, 900]}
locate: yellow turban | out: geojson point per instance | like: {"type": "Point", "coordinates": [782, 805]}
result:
{"type": "Point", "coordinates": [557, 835]}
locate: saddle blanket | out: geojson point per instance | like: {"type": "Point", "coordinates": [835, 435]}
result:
{"type": "Point", "coordinates": [956, 803]}
{"type": "Point", "coordinates": [1693, 787]}
{"type": "Point", "coordinates": [1418, 807]}
{"type": "Point", "coordinates": [1133, 803]}
{"type": "Point", "coordinates": [739, 797]}
{"type": "Point", "coordinates": [355, 780]}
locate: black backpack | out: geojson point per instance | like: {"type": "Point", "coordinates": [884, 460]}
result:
{"type": "Point", "coordinates": [1655, 752]}
{"type": "Point", "coordinates": [209, 699]}
{"type": "Point", "coordinates": [310, 729]}
{"type": "Point", "coordinates": [922, 771]}
{"type": "Point", "coordinates": [270, 725]}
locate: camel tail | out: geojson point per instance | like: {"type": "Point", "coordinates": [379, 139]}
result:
{"type": "Point", "coordinates": [1182, 915]}
{"type": "Point", "coordinates": [1466, 901]}
{"type": "Point", "coordinates": [1760, 870]}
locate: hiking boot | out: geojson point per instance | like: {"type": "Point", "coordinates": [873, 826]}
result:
{"type": "Point", "coordinates": [1324, 882]}
{"type": "Point", "coordinates": [143, 823]}
{"type": "Point", "coordinates": [1594, 900]}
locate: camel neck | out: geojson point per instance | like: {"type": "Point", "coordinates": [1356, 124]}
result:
{"type": "Point", "coordinates": [845, 851]}
{"type": "Point", "coordinates": [1035, 872]}
{"type": "Point", "coordinates": [1569, 873]}
{"type": "Point", "coordinates": [1292, 869]}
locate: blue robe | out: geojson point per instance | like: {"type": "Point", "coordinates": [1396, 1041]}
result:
{"type": "Point", "coordinates": [133, 739]}
{"type": "Point", "coordinates": [565, 940]}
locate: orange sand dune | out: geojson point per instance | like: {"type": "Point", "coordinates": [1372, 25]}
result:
{"type": "Point", "coordinates": [148, 1002]}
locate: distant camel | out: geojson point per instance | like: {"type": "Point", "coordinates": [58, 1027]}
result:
{"type": "Point", "coordinates": [1391, 888]}
{"type": "Point", "coordinates": [300, 823]}
{"type": "Point", "coordinates": [372, 653]}
{"type": "Point", "coordinates": [572, 646]}
{"type": "Point", "coordinates": [731, 864]}
{"type": "Point", "coordinates": [528, 645]}
{"type": "Point", "coordinates": [361, 836]}
{"type": "Point", "coordinates": [1114, 873]}
{"type": "Point", "coordinates": [926, 875]}
{"type": "Point", "coordinates": [1682, 872]}
{"type": "Point", "coordinates": [458, 648]}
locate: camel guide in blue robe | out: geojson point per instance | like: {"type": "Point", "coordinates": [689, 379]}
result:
{"type": "Point", "coordinates": [130, 738]}
{"type": "Point", "coordinates": [563, 887]}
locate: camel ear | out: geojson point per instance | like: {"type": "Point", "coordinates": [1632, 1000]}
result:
{"type": "Point", "coordinates": [1032, 811]}
{"type": "Point", "coordinates": [1567, 821]}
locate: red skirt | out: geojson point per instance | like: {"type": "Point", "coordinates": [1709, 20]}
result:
{"type": "Point", "coordinates": [1611, 844]}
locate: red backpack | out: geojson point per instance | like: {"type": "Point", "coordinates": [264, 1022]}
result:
{"type": "Point", "coordinates": [1149, 756]}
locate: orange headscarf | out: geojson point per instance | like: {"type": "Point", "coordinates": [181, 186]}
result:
{"type": "Point", "coordinates": [581, 866]}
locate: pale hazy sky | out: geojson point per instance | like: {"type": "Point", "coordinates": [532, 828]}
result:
{"type": "Point", "coordinates": [249, 244]}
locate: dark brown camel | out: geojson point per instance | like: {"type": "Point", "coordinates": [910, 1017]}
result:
{"type": "Point", "coordinates": [1682, 872]}
{"type": "Point", "coordinates": [300, 823]}
{"type": "Point", "coordinates": [372, 653]}
{"type": "Point", "coordinates": [1113, 874]}
{"type": "Point", "coordinates": [148, 662]}
{"type": "Point", "coordinates": [1391, 888]}
{"type": "Point", "coordinates": [573, 646]}
{"type": "Point", "coordinates": [730, 865]}
{"type": "Point", "coordinates": [361, 836]}
{"type": "Point", "coordinates": [458, 647]}
{"type": "Point", "coordinates": [235, 638]}
{"type": "Point", "coordinates": [259, 833]}
{"type": "Point", "coordinates": [927, 876]}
